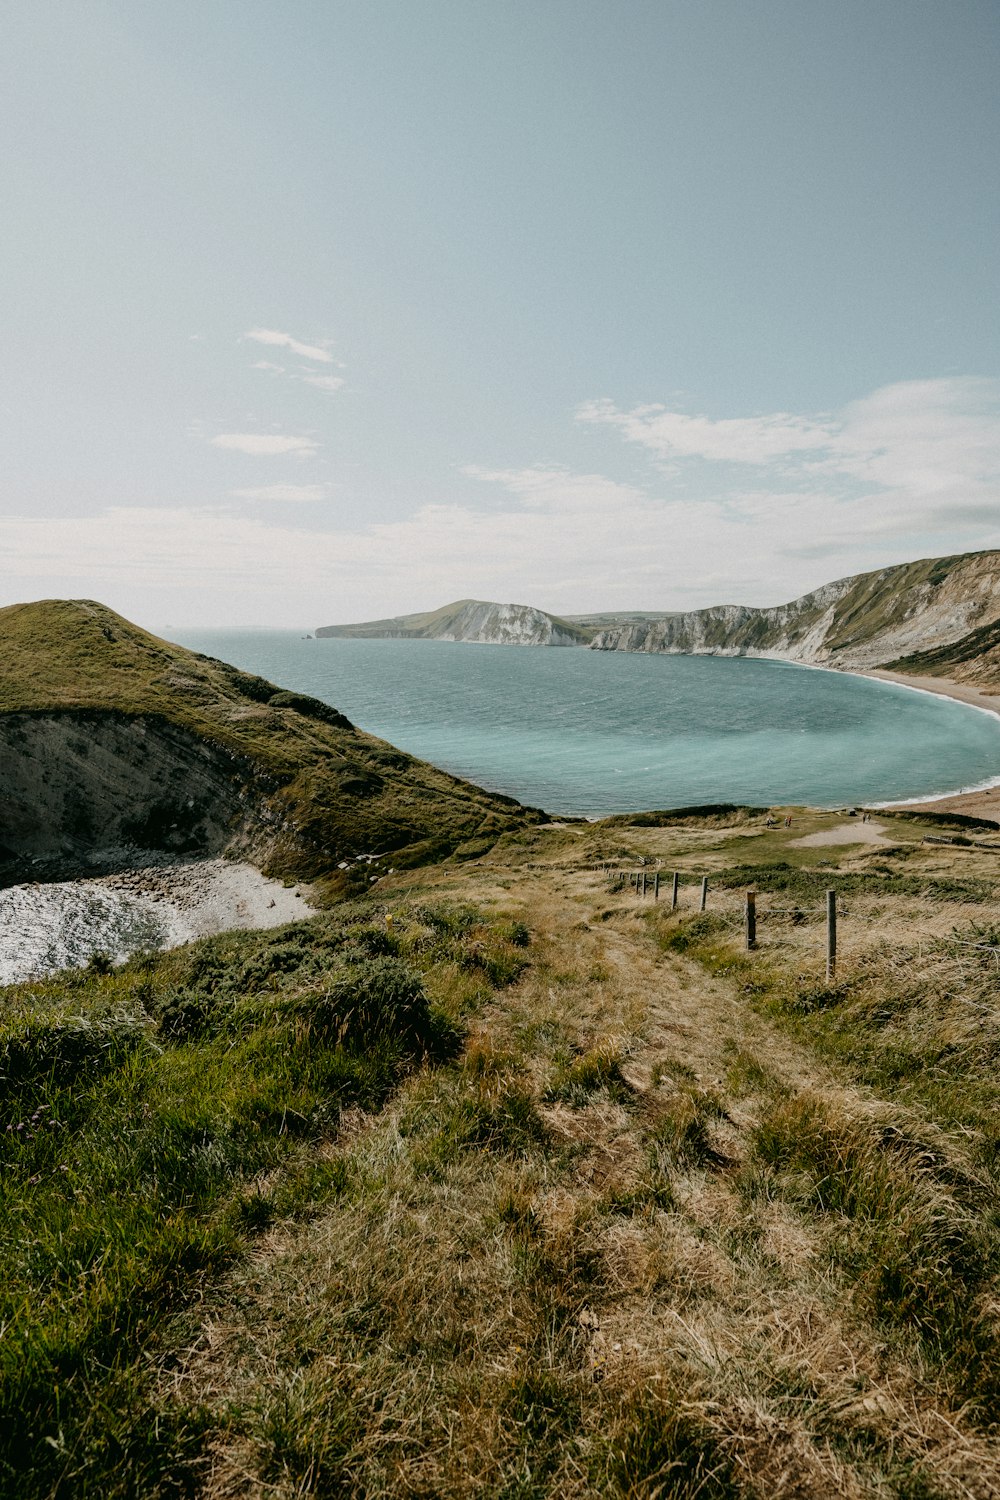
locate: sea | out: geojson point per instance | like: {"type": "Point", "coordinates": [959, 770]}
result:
{"type": "Point", "coordinates": [593, 732]}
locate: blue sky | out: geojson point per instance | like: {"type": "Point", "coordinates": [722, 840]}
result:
{"type": "Point", "coordinates": [317, 311]}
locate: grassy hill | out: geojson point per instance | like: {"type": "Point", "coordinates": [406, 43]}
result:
{"type": "Point", "coordinates": [471, 620]}
{"type": "Point", "coordinates": [537, 1189]}
{"type": "Point", "coordinates": [111, 738]}
{"type": "Point", "coordinates": [933, 615]}
{"type": "Point", "coordinates": [939, 615]}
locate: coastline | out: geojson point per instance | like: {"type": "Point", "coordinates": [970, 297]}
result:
{"type": "Point", "coordinates": [978, 803]}
{"type": "Point", "coordinates": [44, 928]}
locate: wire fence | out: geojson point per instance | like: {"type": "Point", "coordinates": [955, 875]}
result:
{"type": "Point", "coordinates": [740, 908]}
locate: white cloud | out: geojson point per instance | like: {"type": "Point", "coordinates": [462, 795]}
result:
{"type": "Point", "coordinates": [328, 383]}
{"type": "Point", "coordinates": [294, 493]}
{"type": "Point", "coordinates": [264, 445]}
{"type": "Point", "coordinates": [266, 364]}
{"type": "Point", "coordinates": [747, 440]}
{"type": "Point", "coordinates": [558, 490]}
{"type": "Point", "coordinates": [285, 341]}
{"type": "Point", "coordinates": [929, 438]}
{"type": "Point", "coordinates": [911, 470]}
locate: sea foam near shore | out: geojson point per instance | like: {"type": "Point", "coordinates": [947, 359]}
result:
{"type": "Point", "coordinates": [48, 927]}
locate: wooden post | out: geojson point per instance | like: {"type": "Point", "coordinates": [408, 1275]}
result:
{"type": "Point", "coordinates": [643, 891]}
{"type": "Point", "coordinates": [704, 891]}
{"type": "Point", "coordinates": [673, 897]}
{"type": "Point", "coordinates": [751, 921]}
{"type": "Point", "coordinates": [656, 886]}
{"type": "Point", "coordinates": [831, 934]}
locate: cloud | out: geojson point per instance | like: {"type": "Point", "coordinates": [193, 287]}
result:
{"type": "Point", "coordinates": [264, 445]}
{"type": "Point", "coordinates": [910, 470]}
{"type": "Point", "coordinates": [266, 364]}
{"type": "Point", "coordinates": [285, 341]}
{"type": "Point", "coordinates": [929, 438]}
{"type": "Point", "coordinates": [328, 383]}
{"type": "Point", "coordinates": [294, 493]}
{"type": "Point", "coordinates": [558, 490]}
{"type": "Point", "coordinates": [747, 440]}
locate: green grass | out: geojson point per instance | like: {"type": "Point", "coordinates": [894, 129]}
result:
{"type": "Point", "coordinates": [155, 1118]}
{"type": "Point", "coordinates": [810, 885]}
{"type": "Point", "coordinates": [908, 1206]}
{"type": "Point", "coordinates": [580, 1078]}
{"type": "Point", "coordinates": [321, 789]}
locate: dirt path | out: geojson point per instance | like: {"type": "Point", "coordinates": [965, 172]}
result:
{"type": "Point", "coordinates": [709, 1286]}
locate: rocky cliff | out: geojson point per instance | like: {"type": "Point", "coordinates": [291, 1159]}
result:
{"type": "Point", "coordinates": [117, 747]}
{"type": "Point", "coordinates": [476, 620]}
{"type": "Point", "coordinates": [937, 616]}
{"type": "Point", "coordinates": [930, 616]}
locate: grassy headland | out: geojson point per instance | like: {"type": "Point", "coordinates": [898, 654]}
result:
{"type": "Point", "coordinates": [511, 1183]}
{"type": "Point", "coordinates": [87, 696]}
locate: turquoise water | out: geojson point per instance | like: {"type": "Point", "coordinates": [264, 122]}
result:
{"type": "Point", "coordinates": [597, 732]}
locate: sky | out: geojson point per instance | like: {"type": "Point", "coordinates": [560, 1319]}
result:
{"type": "Point", "coordinates": [334, 309]}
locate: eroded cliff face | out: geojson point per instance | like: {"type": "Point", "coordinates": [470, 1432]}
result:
{"type": "Point", "coordinates": [507, 625]}
{"type": "Point", "coordinates": [99, 791]}
{"type": "Point", "coordinates": [474, 620]}
{"type": "Point", "coordinates": [868, 620]}
{"type": "Point", "coordinates": [116, 747]}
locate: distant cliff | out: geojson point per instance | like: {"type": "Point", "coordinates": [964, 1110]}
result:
{"type": "Point", "coordinates": [471, 620]}
{"type": "Point", "coordinates": [938, 616]}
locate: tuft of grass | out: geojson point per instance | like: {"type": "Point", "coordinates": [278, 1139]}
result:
{"type": "Point", "coordinates": [664, 1447]}
{"type": "Point", "coordinates": [915, 1250]}
{"type": "Point", "coordinates": [681, 1133]}
{"type": "Point", "coordinates": [597, 1071]}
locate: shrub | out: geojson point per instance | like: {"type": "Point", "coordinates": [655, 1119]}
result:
{"type": "Point", "coordinates": [377, 998]}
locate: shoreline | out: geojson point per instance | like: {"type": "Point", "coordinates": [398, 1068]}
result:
{"type": "Point", "coordinates": [982, 802]}
{"type": "Point", "coordinates": [63, 924]}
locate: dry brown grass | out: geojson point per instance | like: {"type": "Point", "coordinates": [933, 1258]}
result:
{"type": "Point", "coordinates": [631, 1244]}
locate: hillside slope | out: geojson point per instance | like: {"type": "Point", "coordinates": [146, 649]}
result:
{"type": "Point", "coordinates": [115, 743]}
{"type": "Point", "coordinates": [543, 1189]}
{"type": "Point", "coordinates": [932, 616]}
{"type": "Point", "coordinates": [939, 616]}
{"type": "Point", "coordinates": [477, 620]}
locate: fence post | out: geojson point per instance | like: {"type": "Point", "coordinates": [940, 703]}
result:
{"type": "Point", "coordinates": [656, 886]}
{"type": "Point", "coordinates": [751, 921]}
{"type": "Point", "coordinates": [704, 891]}
{"type": "Point", "coordinates": [673, 897]}
{"type": "Point", "coordinates": [643, 891]}
{"type": "Point", "coordinates": [831, 934]}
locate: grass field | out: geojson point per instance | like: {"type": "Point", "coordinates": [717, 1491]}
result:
{"type": "Point", "coordinates": [505, 1183]}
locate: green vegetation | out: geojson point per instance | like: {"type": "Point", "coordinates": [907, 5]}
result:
{"type": "Point", "coordinates": [980, 647]}
{"type": "Point", "coordinates": [905, 1192]}
{"type": "Point", "coordinates": [156, 1119]}
{"type": "Point", "coordinates": [310, 789]}
{"type": "Point", "coordinates": [521, 1185]}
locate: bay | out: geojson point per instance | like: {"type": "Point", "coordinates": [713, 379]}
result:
{"type": "Point", "coordinates": [593, 732]}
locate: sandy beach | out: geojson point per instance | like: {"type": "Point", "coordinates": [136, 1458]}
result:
{"type": "Point", "coordinates": [60, 925]}
{"type": "Point", "coordinates": [982, 804]}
